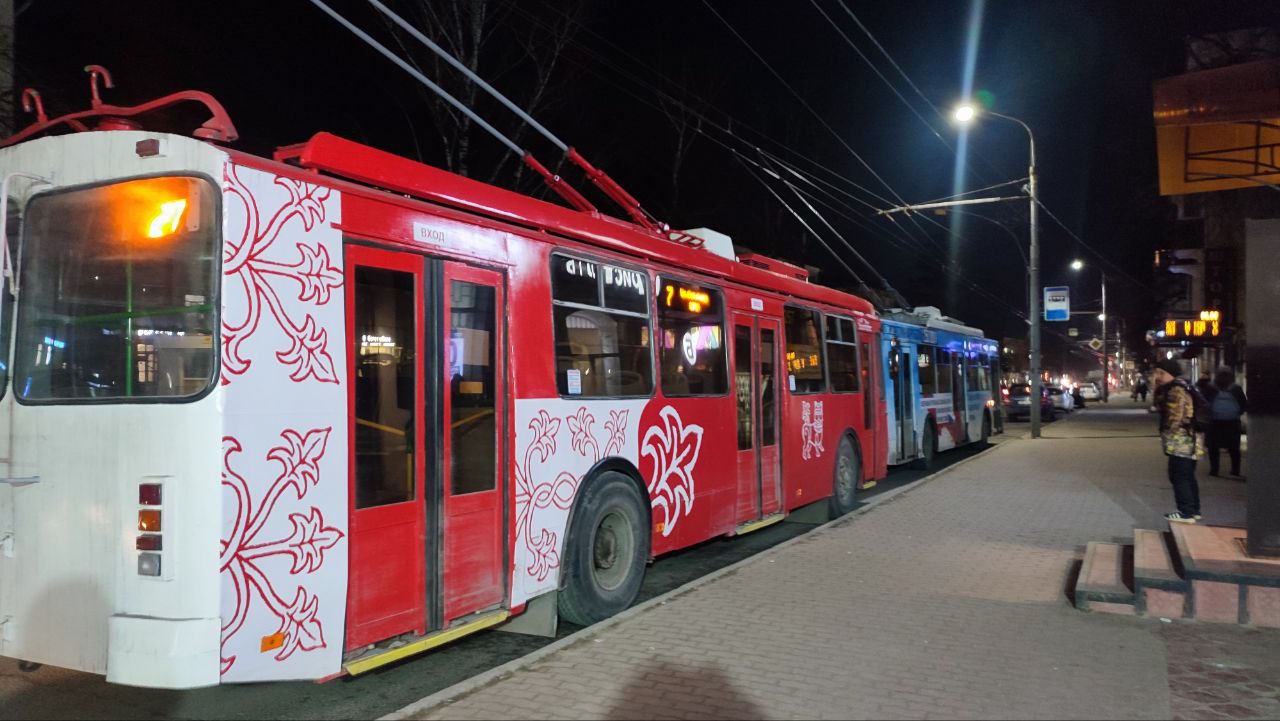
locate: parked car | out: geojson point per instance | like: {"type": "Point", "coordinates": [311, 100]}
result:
{"type": "Point", "coordinates": [1061, 398]}
{"type": "Point", "coordinates": [1090, 391]}
{"type": "Point", "coordinates": [1017, 402]}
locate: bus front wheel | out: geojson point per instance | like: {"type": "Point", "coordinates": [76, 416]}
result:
{"type": "Point", "coordinates": [605, 552]}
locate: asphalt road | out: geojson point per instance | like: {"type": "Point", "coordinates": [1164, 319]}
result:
{"type": "Point", "coordinates": [53, 693]}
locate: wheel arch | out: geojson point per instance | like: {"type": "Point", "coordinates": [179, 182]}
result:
{"type": "Point", "coordinates": [615, 464]}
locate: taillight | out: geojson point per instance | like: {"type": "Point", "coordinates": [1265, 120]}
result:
{"type": "Point", "coordinates": [149, 494]}
{"type": "Point", "coordinates": [150, 542]}
{"type": "Point", "coordinates": [1004, 391]}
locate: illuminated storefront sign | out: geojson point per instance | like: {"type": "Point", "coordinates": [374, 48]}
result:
{"type": "Point", "coordinates": [1209, 325]}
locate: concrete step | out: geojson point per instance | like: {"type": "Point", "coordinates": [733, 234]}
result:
{"type": "Point", "coordinates": [1159, 587]}
{"type": "Point", "coordinates": [1226, 585]}
{"type": "Point", "coordinates": [1105, 583]}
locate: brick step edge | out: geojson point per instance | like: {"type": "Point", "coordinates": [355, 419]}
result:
{"type": "Point", "coordinates": [1105, 583]}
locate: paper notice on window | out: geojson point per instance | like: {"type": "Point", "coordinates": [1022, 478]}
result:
{"type": "Point", "coordinates": [791, 381]}
{"type": "Point", "coordinates": [574, 377]}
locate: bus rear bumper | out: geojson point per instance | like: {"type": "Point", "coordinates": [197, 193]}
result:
{"type": "Point", "coordinates": [163, 652]}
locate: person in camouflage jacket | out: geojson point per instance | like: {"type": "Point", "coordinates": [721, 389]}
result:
{"type": "Point", "coordinates": [1178, 439]}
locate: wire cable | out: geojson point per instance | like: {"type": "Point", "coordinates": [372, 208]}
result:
{"type": "Point", "coordinates": [444, 94]}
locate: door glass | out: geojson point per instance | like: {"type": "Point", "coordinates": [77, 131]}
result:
{"type": "Point", "coordinates": [768, 409]}
{"type": "Point", "coordinates": [742, 378]}
{"type": "Point", "coordinates": [386, 361]}
{"type": "Point", "coordinates": [864, 372]}
{"type": "Point", "coordinates": [472, 387]}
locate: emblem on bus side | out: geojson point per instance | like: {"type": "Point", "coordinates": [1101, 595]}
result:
{"type": "Point", "coordinates": [811, 429]}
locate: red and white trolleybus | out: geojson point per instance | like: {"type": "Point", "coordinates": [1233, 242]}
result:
{"type": "Point", "coordinates": [295, 417]}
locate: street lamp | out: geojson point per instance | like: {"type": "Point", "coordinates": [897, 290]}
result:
{"type": "Point", "coordinates": [1078, 264]}
{"type": "Point", "coordinates": [967, 113]}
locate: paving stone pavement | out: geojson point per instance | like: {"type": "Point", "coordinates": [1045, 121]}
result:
{"type": "Point", "coordinates": [949, 601]}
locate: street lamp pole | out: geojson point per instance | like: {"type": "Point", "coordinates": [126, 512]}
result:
{"type": "Point", "coordinates": [1106, 360]}
{"type": "Point", "coordinates": [964, 114]}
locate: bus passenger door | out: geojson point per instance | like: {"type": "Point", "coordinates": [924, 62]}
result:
{"type": "Point", "coordinates": [387, 533]}
{"type": "Point", "coordinates": [768, 369]}
{"type": "Point", "coordinates": [474, 529]}
{"type": "Point", "coordinates": [959, 398]}
{"type": "Point", "coordinates": [902, 400]}
{"type": "Point", "coordinates": [755, 373]}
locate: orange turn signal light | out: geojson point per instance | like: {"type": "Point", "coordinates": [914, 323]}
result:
{"type": "Point", "coordinates": [149, 520]}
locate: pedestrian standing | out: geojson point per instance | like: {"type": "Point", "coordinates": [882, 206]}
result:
{"type": "Point", "coordinates": [1143, 389]}
{"type": "Point", "coordinates": [1228, 405]}
{"type": "Point", "coordinates": [1178, 439]}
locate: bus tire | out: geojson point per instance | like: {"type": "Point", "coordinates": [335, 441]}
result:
{"type": "Point", "coordinates": [606, 550]}
{"type": "Point", "coordinates": [847, 477]}
{"type": "Point", "coordinates": [929, 449]}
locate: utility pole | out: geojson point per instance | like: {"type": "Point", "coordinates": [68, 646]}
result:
{"type": "Point", "coordinates": [1106, 360]}
{"type": "Point", "coordinates": [7, 115]}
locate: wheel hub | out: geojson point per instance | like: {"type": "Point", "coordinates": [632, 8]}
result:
{"type": "Point", "coordinates": [606, 549]}
{"type": "Point", "coordinates": [845, 476]}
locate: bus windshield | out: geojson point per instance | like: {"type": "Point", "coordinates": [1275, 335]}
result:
{"type": "Point", "coordinates": [117, 292]}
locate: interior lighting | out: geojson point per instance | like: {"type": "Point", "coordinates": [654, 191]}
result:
{"type": "Point", "coordinates": [166, 222]}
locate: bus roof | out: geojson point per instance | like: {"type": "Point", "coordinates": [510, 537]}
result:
{"type": "Point", "coordinates": [366, 165]}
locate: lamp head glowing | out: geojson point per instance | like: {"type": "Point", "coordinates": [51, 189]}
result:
{"type": "Point", "coordinates": [965, 113]}
{"type": "Point", "coordinates": [1077, 264]}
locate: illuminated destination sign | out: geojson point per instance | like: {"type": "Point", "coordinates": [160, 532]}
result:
{"type": "Point", "coordinates": [689, 298]}
{"type": "Point", "coordinates": [1208, 325]}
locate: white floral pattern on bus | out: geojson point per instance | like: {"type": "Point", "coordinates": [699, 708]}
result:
{"type": "Point", "coordinates": [242, 551]}
{"type": "Point", "coordinates": [249, 262]}
{"type": "Point", "coordinates": [674, 448]}
{"type": "Point", "coordinates": [811, 429]}
{"type": "Point", "coordinates": [548, 470]}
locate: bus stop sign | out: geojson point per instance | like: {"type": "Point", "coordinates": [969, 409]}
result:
{"type": "Point", "coordinates": [1057, 303]}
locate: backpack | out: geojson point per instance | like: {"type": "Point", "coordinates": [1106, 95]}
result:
{"type": "Point", "coordinates": [1202, 415]}
{"type": "Point", "coordinates": [1225, 406]}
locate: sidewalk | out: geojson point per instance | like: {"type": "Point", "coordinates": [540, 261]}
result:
{"type": "Point", "coordinates": [951, 600]}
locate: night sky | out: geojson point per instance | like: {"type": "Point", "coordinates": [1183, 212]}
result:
{"type": "Point", "coordinates": [1079, 73]}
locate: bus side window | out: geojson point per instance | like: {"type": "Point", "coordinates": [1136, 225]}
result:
{"type": "Point", "coordinates": [804, 350]}
{"type": "Point", "coordinates": [691, 348]}
{"type": "Point", "coordinates": [927, 360]}
{"type": "Point", "coordinates": [600, 315]}
{"type": "Point", "coordinates": [842, 355]}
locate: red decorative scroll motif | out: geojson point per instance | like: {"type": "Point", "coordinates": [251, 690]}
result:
{"type": "Point", "coordinates": [246, 261]}
{"type": "Point", "coordinates": [242, 552]}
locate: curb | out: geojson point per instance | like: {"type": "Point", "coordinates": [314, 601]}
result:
{"type": "Point", "coordinates": [463, 688]}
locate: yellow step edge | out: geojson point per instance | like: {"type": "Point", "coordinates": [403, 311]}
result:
{"type": "Point", "coordinates": [757, 525]}
{"type": "Point", "coordinates": [426, 643]}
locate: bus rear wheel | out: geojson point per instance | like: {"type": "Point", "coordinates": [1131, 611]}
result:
{"type": "Point", "coordinates": [848, 476]}
{"type": "Point", "coordinates": [605, 552]}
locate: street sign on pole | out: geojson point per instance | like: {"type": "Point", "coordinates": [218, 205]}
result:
{"type": "Point", "coordinates": [1057, 303]}
{"type": "Point", "coordinates": [1095, 344]}
{"type": "Point", "coordinates": [1073, 332]}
